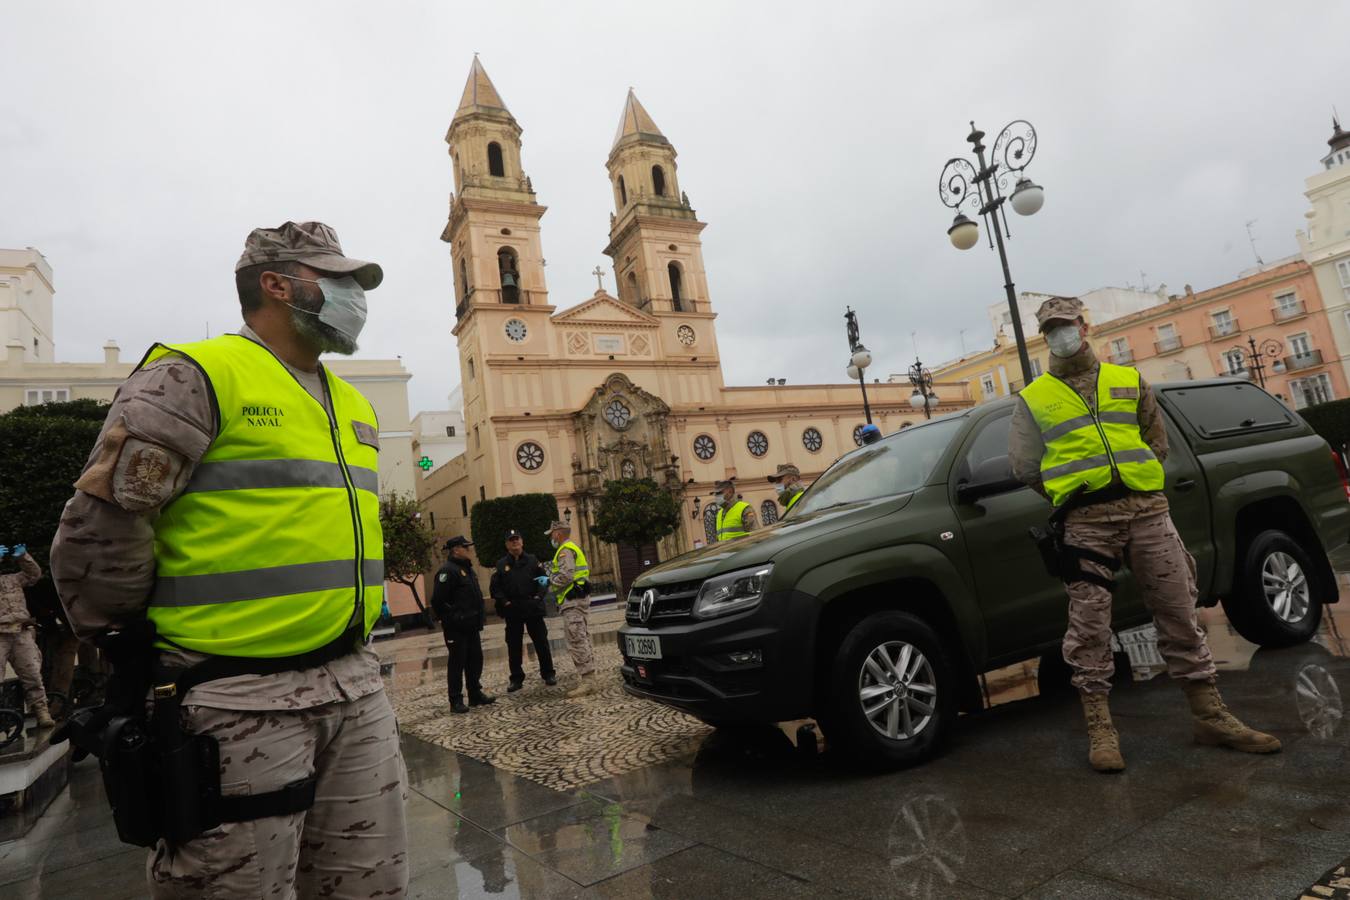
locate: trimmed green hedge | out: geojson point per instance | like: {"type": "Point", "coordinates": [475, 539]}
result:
{"type": "Point", "coordinates": [530, 514]}
{"type": "Point", "coordinates": [1330, 420]}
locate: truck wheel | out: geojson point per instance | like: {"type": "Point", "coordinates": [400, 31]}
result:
{"type": "Point", "coordinates": [1274, 602]}
{"type": "Point", "coordinates": [892, 696]}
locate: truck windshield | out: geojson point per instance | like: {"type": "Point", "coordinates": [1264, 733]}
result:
{"type": "Point", "coordinates": [893, 465]}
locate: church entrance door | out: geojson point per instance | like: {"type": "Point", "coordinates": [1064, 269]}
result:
{"type": "Point", "coordinates": [633, 561]}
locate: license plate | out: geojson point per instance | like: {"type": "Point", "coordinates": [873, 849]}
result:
{"type": "Point", "coordinates": [642, 646]}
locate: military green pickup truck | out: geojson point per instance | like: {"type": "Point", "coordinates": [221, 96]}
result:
{"type": "Point", "coordinates": [907, 570]}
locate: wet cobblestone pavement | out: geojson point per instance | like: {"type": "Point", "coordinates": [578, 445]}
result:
{"type": "Point", "coordinates": [604, 797]}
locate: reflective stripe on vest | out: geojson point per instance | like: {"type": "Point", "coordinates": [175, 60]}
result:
{"type": "Point", "coordinates": [1089, 448]}
{"type": "Point", "coordinates": [274, 547]}
{"type": "Point", "coordinates": [793, 501]}
{"type": "Point", "coordinates": [581, 573]}
{"type": "Point", "coordinates": [731, 522]}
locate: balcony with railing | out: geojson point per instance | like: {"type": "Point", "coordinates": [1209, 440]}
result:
{"type": "Point", "coordinates": [1167, 345]}
{"type": "Point", "coordinates": [1297, 362]}
{"type": "Point", "coordinates": [1283, 312]}
{"type": "Point", "coordinates": [1121, 357]}
{"type": "Point", "coordinates": [1224, 329]}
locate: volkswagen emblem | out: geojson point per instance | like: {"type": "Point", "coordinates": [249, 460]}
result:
{"type": "Point", "coordinates": [645, 606]}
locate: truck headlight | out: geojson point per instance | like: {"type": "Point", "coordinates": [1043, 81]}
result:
{"type": "Point", "coordinates": [732, 592]}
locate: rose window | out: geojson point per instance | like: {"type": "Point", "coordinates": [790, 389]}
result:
{"type": "Point", "coordinates": [705, 448]}
{"type": "Point", "coordinates": [530, 456]}
{"type": "Point", "coordinates": [812, 440]}
{"type": "Point", "coordinates": [757, 443]}
{"type": "Point", "coordinates": [617, 414]}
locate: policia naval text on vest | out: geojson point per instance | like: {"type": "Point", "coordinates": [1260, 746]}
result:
{"type": "Point", "coordinates": [256, 599]}
{"type": "Point", "coordinates": [1093, 453]}
{"type": "Point", "coordinates": [580, 575]}
{"type": "Point", "coordinates": [731, 521]}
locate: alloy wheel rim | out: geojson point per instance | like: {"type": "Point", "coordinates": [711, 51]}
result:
{"type": "Point", "coordinates": [1286, 587]}
{"type": "Point", "coordinates": [897, 690]}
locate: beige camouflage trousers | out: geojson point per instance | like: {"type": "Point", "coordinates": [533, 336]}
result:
{"type": "Point", "coordinates": [20, 650]}
{"type": "Point", "coordinates": [576, 613]}
{"type": "Point", "coordinates": [1152, 548]}
{"type": "Point", "coordinates": [351, 843]}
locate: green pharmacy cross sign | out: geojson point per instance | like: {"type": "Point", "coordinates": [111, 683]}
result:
{"type": "Point", "coordinates": [425, 463]}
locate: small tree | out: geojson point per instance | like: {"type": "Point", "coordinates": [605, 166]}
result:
{"type": "Point", "coordinates": [408, 544]}
{"type": "Point", "coordinates": [635, 511]}
{"type": "Point", "coordinates": [530, 514]}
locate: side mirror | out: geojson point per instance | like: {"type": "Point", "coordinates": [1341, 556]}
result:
{"type": "Point", "coordinates": [972, 493]}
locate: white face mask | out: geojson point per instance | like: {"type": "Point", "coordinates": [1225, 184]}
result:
{"type": "Point", "coordinates": [1064, 341]}
{"type": "Point", "coordinates": [344, 305]}
{"type": "Point", "coordinates": [782, 488]}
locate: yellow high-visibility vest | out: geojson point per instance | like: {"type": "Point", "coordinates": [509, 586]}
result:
{"type": "Point", "coordinates": [580, 574]}
{"type": "Point", "coordinates": [274, 548]}
{"type": "Point", "coordinates": [792, 501]}
{"type": "Point", "coordinates": [1089, 447]}
{"type": "Point", "coordinates": [731, 522]}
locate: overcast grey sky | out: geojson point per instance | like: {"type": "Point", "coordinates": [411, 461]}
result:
{"type": "Point", "coordinates": [139, 143]}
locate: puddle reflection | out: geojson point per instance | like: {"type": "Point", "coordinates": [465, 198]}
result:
{"type": "Point", "coordinates": [927, 846]}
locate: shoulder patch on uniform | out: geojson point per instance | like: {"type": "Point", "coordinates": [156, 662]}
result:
{"type": "Point", "coordinates": [1124, 393]}
{"type": "Point", "coordinates": [442, 577]}
{"type": "Point", "coordinates": [366, 434]}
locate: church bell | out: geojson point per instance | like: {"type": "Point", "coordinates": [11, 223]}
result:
{"type": "Point", "coordinates": [508, 280]}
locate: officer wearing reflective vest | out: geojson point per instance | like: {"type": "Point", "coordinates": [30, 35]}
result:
{"type": "Point", "coordinates": [232, 501]}
{"type": "Point", "coordinates": [1090, 437]}
{"type": "Point", "coordinates": [735, 517]}
{"type": "Point", "coordinates": [788, 481]}
{"type": "Point", "coordinates": [569, 586]}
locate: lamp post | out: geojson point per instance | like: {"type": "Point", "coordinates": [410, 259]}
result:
{"type": "Point", "coordinates": [860, 360]}
{"type": "Point", "coordinates": [1013, 150]}
{"type": "Point", "coordinates": [1256, 356]}
{"type": "Point", "coordinates": [923, 395]}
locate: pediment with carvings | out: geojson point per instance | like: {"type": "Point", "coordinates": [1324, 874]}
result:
{"type": "Point", "coordinates": [602, 309]}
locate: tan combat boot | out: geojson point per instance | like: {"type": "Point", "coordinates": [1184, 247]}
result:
{"type": "Point", "coordinates": [1103, 742]}
{"type": "Point", "coordinates": [584, 689]}
{"type": "Point", "coordinates": [1215, 726]}
{"type": "Point", "coordinates": [44, 718]}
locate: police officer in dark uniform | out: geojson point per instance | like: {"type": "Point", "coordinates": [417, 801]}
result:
{"type": "Point", "coordinates": [458, 602]}
{"type": "Point", "coordinates": [518, 587]}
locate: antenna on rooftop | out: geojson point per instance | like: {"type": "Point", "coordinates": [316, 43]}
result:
{"type": "Point", "coordinates": [1251, 236]}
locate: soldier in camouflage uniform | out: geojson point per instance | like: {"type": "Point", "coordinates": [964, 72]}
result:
{"type": "Point", "coordinates": [332, 721]}
{"type": "Point", "coordinates": [568, 587]}
{"type": "Point", "coordinates": [1127, 525]}
{"type": "Point", "coordinates": [18, 645]}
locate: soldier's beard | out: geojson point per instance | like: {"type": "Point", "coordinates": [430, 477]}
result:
{"type": "Point", "coordinates": [320, 336]}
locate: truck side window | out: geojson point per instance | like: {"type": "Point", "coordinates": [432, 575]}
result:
{"type": "Point", "coordinates": [987, 458]}
{"type": "Point", "coordinates": [1217, 410]}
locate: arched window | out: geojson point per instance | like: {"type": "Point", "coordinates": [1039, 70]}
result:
{"type": "Point", "coordinates": [623, 192]}
{"type": "Point", "coordinates": [659, 181]}
{"type": "Point", "coordinates": [631, 286]}
{"type": "Point", "coordinates": [463, 280]}
{"type": "Point", "coordinates": [768, 512]}
{"type": "Point", "coordinates": [495, 166]}
{"type": "Point", "coordinates": [509, 273]}
{"type": "Point", "coordinates": [675, 288]}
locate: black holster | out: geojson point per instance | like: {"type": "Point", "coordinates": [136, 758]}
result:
{"type": "Point", "coordinates": [1064, 561]}
{"type": "Point", "coordinates": [161, 781]}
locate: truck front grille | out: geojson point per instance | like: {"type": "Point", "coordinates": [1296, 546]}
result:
{"type": "Point", "coordinates": [674, 603]}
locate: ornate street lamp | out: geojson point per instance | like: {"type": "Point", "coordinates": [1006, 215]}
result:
{"type": "Point", "coordinates": [1013, 150]}
{"type": "Point", "coordinates": [923, 395]}
{"type": "Point", "coordinates": [860, 359]}
{"type": "Point", "coordinates": [1256, 356]}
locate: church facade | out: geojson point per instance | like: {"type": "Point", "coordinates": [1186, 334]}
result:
{"type": "Point", "coordinates": [562, 398]}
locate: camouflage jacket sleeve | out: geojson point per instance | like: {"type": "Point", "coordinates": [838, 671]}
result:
{"type": "Point", "coordinates": [566, 570]}
{"type": "Point", "coordinates": [1025, 447]}
{"type": "Point", "coordinates": [1151, 422]}
{"type": "Point", "coordinates": [103, 557]}
{"type": "Point", "coordinates": [30, 573]}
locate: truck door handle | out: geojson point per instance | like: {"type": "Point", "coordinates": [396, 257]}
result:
{"type": "Point", "coordinates": [1185, 484]}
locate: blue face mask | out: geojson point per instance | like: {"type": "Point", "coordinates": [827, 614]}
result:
{"type": "Point", "coordinates": [344, 305]}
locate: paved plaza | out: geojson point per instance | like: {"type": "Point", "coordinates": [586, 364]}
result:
{"type": "Point", "coordinates": [606, 797]}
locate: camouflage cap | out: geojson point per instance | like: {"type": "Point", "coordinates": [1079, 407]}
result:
{"type": "Point", "coordinates": [1062, 308]}
{"type": "Point", "coordinates": [558, 525]}
{"type": "Point", "coordinates": [312, 243]}
{"type": "Point", "coordinates": [785, 470]}
{"type": "Point", "coordinates": [721, 486]}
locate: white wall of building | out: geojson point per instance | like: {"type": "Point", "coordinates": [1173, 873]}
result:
{"type": "Point", "coordinates": [26, 294]}
{"type": "Point", "coordinates": [1102, 305]}
{"type": "Point", "coordinates": [439, 434]}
